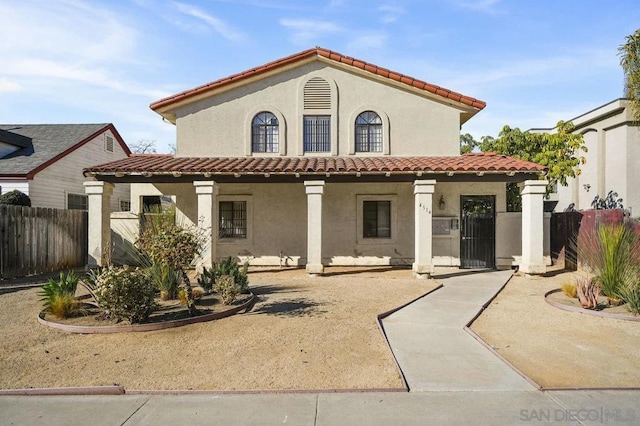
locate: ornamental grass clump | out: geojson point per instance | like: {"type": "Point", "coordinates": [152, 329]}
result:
{"type": "Point", "coordinates": [59, 296]}
{"type": "Point", "coordinates": [611, 254]}
{"type": "Point", "coordinates": [126, 293]}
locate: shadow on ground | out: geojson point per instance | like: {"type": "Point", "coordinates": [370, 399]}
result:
{"type": "Point", "coordinates": [290, 308]}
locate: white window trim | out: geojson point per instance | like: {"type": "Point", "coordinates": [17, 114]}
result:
{"type": "Point", "coordinates": [332, 112]}
{"type": "Point", "coordinates": [239, 241]}
{"type": "Point", "coordinates": [360, 199]}
{"type": "Point", "coordinates": [385, 131]}
{"type": "Point", "coordinates": [282, 132]}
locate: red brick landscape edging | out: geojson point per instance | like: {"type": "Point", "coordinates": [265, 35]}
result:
{"type": "Point", "coordinates": [87, 329]}
{"type": "Point", "coordinates": [586, 311]}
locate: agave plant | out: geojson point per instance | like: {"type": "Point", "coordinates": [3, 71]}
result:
{"type": "Point", "coordinates": [588, 292]}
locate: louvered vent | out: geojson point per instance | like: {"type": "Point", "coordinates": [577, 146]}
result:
{"type": "Point", "coordinates": [317, 94]}
{"type": "Point", "coordinates": [109, 144]}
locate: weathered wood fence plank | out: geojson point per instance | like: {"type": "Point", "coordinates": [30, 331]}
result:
{"type": "Point", "coordinates": [38, 240]}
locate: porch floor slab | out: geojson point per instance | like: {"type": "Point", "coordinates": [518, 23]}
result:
{"type": "Point", "coordinates": [431, 346]}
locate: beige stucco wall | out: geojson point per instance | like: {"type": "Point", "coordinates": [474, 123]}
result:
{"type": "Point", "coordinates": [220, 126]}
{"type": "Point", "coordinates": [277, 221]}
{"type": "Point", "coordinates": [509, 239]}
{"type": "Point", "coordinates": [612, 160]}
{"type": "Point", "coordinates": [49, 187]}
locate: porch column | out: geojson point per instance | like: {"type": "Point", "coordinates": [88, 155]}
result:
{"type": "Point", "coordinates": [533, 227]}
{"type": "Point", "coordinates": [314, 190]}
{"type": "Point", "coordinates": [99, 237]}
{"type": "Point", "coordinates": [206, 191]}
{"type": "Point", "coordinates": [423, 197]}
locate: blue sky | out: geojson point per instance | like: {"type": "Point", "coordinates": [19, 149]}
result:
{"type": "Point", "coordinates": [533, 61]}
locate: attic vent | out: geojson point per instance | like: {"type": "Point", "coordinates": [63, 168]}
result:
{"type": "Point", "coordinates": [108, 144]}
{"type": "Point", "coordinates": [317, 94]}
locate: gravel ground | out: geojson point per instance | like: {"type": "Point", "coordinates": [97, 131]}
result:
{"type": "Point", "coordinates": [558, 348]}
{"type": "Point", "coordinates": [303, 333]}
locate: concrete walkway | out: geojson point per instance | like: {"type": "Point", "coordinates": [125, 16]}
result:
{"type": "Point", "coordinates": [421, 408]}
{"type": "Point", "coordinates": [431, 346]}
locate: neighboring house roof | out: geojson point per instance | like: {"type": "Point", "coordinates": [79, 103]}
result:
{"type": "Point", "coordinates": [49, 143]}
{"type": "Point", "coordinates": [14, 139]}
{"type": "Point", "coordinates": [168, 164]}
{"type": "Point", "coordinates": [160, 106]}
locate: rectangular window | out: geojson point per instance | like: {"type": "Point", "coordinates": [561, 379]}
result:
{"type": "Point", "coordinates": [125, 206]}
{"type": "Point", "coordinates": [376, 219]}
{"type": "Point", "coordinates": [317, 133]}
{"type": "Point", "coordinates": [76, 202]}
{"type": "Point", "coordinates": [233, 219]}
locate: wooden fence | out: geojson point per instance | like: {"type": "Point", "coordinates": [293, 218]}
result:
{"type": "Point", "coordinates": [39, 240]}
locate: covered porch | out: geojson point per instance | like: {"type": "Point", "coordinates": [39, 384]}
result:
{"type": "Point", "coordinates": [318, 212]}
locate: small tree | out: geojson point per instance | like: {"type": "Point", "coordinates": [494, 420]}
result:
{"type": "Point", "coordinates": [559, 152]}
{"type": "Point", "coordinates": [143, 146]}
{"type": "Point", "coordinates": [15, 198]}
{"type": "Point", "coordinates": [165, 242]}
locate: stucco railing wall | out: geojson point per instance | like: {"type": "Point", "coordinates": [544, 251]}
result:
{"type": "Point", "coordinates": [509, 238]}
{"type": "Point", "coordinates": [125, 227]}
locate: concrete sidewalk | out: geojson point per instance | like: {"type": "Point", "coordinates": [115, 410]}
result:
{"type": "Point", "coordinates": [439, 408]}
{"type": "Point", "coordinates": [431, 346]}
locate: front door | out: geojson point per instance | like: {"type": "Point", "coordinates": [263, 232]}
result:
{"type": "Point", "coordinates": [478, 232]}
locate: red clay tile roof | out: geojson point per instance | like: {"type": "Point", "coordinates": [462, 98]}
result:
{"type": "Point", "coordinates": [334, 56]}
{"type": "Point", "coordinates": [168, 164]}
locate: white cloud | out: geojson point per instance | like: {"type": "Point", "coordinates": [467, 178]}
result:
{"type": "Point", "coordinates": [368, 41]}
{"type": "Point", "coordinates": [218, 25]}
{"type": "Point", "coordinates": [390, 13]}
{"type": "Point", "coordinates": [7, 86]}
{"type": "Point", "coordinates": [486, 6]}
{"type": "Point", "coordinates": [308, 30]}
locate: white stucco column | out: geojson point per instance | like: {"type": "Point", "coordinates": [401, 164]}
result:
{"type": "Point", "coordinates": [207, 191]}
{"type": "Point", "coordinates": [423, 198]}
{"type": "Point", "coordinates": [314, 190]}
{"type": "Point", "coordinates": [99, 204]}
{"type": "Point", "coordinates": [533, 227]}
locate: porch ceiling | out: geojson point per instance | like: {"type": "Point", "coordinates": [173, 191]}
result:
{"type": "Point", "coordinates": [486, 166]}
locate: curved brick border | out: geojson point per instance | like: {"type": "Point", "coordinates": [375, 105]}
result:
{"type": "Point", "coordinates": [86, 329]}
{"type": "Point", "coordinates": [586, 311]}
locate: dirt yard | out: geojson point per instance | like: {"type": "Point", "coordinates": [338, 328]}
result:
{"type": "Point", "coordinates": [303, 333]}
{"type": "Point", "coordinates": [558, 348]}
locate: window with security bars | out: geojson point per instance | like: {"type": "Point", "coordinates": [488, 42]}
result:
{"type": "Point", "coordinates": [368, 132]}
{"type": "Point", "coordinates": [76, 202]}
{"type": "Point", "coordinates": [233, 219]}
{"type": "Point", "coordinates": [376, 219]}
{"type": "Point", "coordinates": [317, 133]}
{"type": "Point", "coordinates": [264, 132]}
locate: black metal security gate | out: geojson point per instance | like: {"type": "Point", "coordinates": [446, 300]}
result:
{"type": "Point", "coordinates": [478, 232]}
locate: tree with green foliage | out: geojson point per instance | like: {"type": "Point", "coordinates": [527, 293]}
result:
{"type": "Point", "coordinates": [15, 198]}
{"type": "Point", "coordinates": [559, 152]}
{"type": "Point", "coordinates": [629, 54]}
{"type": "Point", "coordinates": [468, 143]}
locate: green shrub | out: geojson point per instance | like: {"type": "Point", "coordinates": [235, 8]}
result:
{"type": "Point", "coordinates": [53, 290]}
{"type": "Point", "coordinates": [227, 288]}
{"type": "Point", "coordinates": [15, 198]}
{"type": "Point", "coordinates": [630, 293]}
{"type": "Point", "coordinates": [166, 279]}
{"type": "Point", "coordinates": [207, 278]}
{"type": "Point", "coordinates": [126, 293]}
{"type": "Point", "coordinates": [230, 267]}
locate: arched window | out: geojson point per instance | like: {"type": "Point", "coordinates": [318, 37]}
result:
{"type": "Point", "coordinates": [264, 132]}
{"type": "Point", "coordinates": [368, 132]}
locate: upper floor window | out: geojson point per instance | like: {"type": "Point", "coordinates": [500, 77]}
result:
{"type": "Point", "coordinates": [317, 133]}
{"type": "Point", "coordinates": [368, 132]}
{"type": "Point", "coordinates": [264, 133]}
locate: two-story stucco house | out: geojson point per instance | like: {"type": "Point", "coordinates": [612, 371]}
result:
{"type": "Point", "coordinates": [321, 159]}
{"type": "Point", "coordinates": [612, 138]}
{"type": "Point", "coordinates": [45, 161]}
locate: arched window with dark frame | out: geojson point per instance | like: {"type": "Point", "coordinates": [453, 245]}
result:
{"type": "Point", "coordinates": [368, 132]}
{"type": "Point", "coordinates": [264, 132]}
